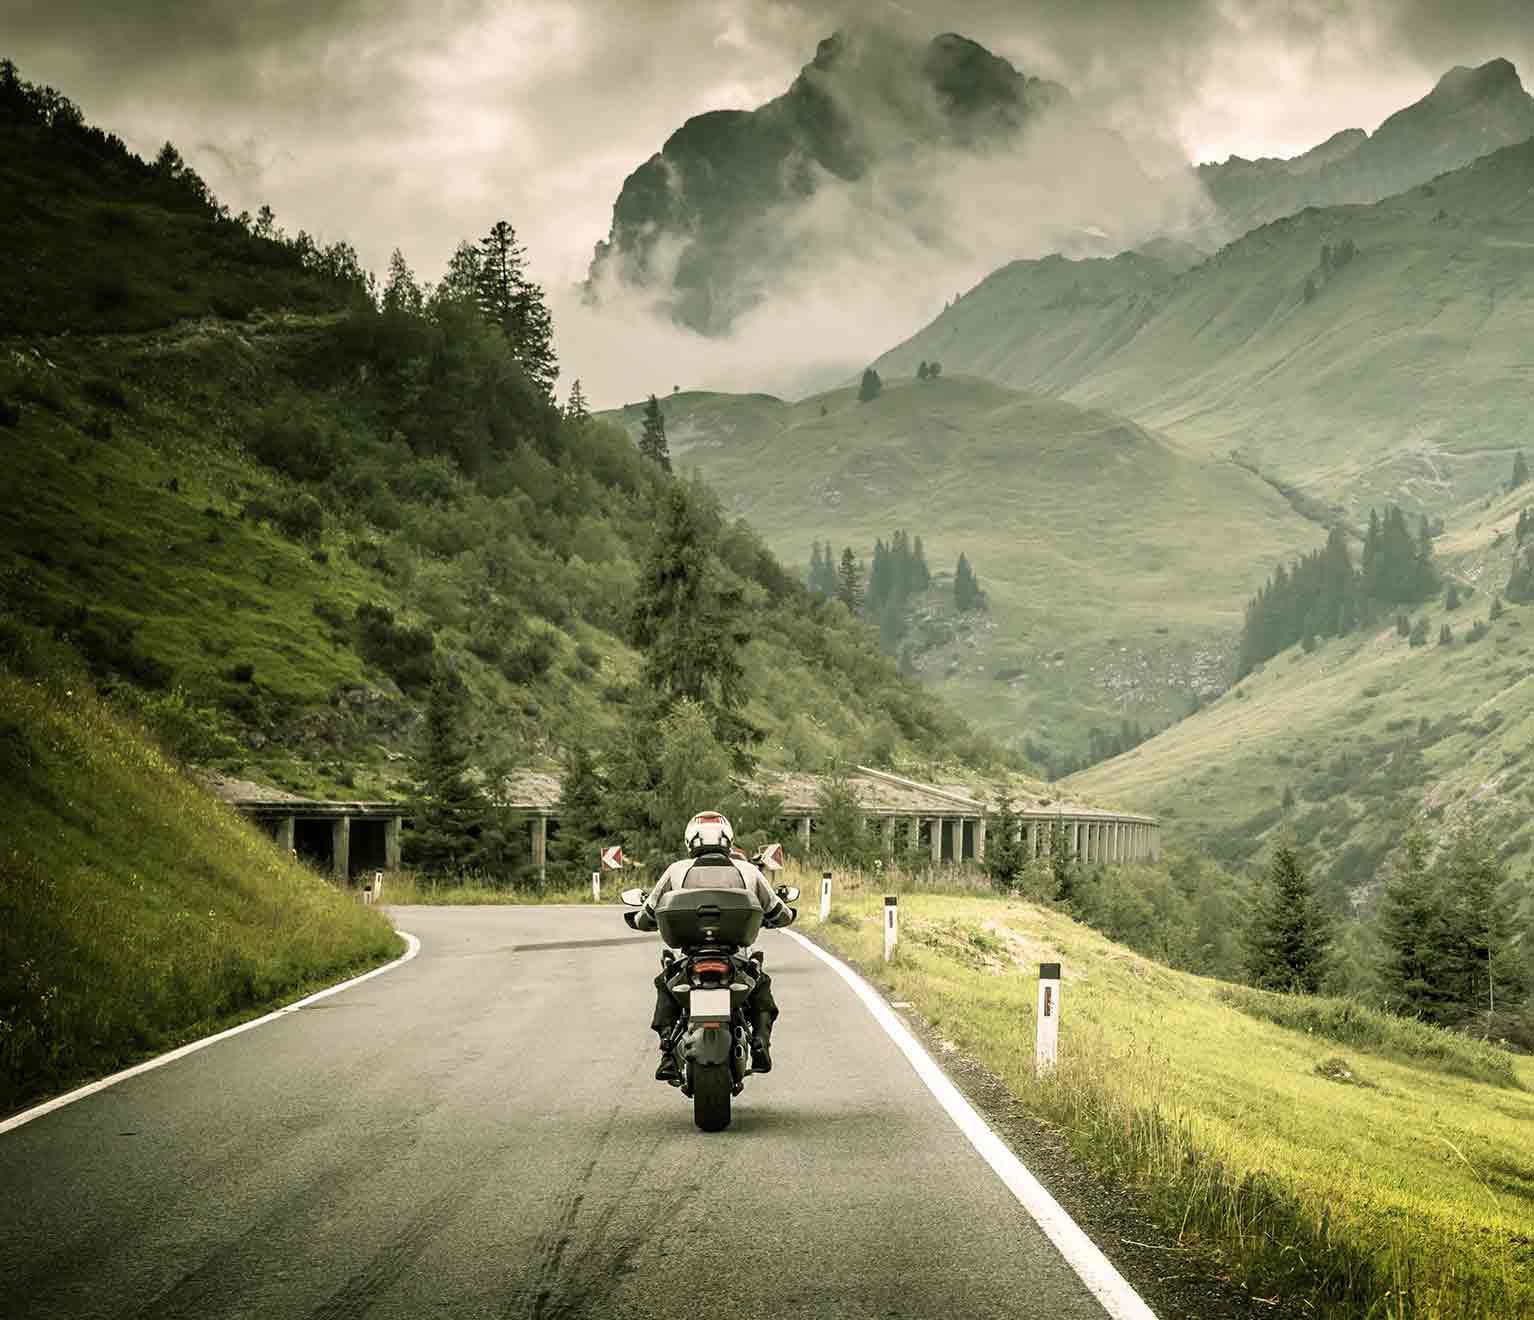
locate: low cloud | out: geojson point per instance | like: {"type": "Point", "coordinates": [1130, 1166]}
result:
{"type": "Point", "coordinates": [415, 124]}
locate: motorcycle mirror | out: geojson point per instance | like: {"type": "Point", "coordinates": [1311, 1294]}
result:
{"type": "Point", "coordinates": [633, 897]}
{"type": "Point", "coordinates": [788, 893]}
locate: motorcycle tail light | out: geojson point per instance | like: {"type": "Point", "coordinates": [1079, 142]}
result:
{"type": "Point", "coordinates": [717, 966]}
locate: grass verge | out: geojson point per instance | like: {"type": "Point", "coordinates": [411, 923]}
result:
{"type": "Point", "coordinates": [1409, 1196]}
{"type": "Point", "coordinates": [136, 911]}
{"type": "Point", "coordinates": [1347, 1022]}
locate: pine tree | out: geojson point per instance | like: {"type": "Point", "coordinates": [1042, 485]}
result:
{"type": "Point", "coordinates": [921, 371]}
{"type": "Point", "coordinates": [1520, 471]}
{"type": "Point", "coordinates": [1413, 935]}
{"type": "Point", "coordinates": [583, 825]}
{"type": "Point", "coordinates": [891, 626]}
{"type": "Point", "coordinates": [879, 584]}
{"type": "Point", "coordinates": [689, 626]}
{"type": "Point", "coordinates": [816, 567]}
{"type": "Point", "coordinates": [921, 577]}
{"type": "Point", "coordinates": [869, 390]}
{"type": "Point", "coordinates": [450, 812]}
{"type": "Point", "coordinates": [652, 442]}
{"type": "Point", "coordinates": [1288, 938]}
{"type": "Point", "coordinates": [576, 408]}
{"type": "Point", "coordinates": [1451, 596]}
{"type": "Point", "coordinates": [461, 282]}
{"type": "Point", "coordinates": [1482, 960]}
{"type": "Point", "coordinates": [512, 303]}
{"type": "Point", "coordinates": [1005, 848]}
{"type": "Point", "coordinates": [402, 295]}
{"type": "Point", "coordinates": [849, 581]}
{"type": "Point", "coordinates": [1062, 866]}
{"type": "Point", "coordinates": [966, 587]}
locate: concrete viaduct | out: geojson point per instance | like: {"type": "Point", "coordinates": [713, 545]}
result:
{"type": "Point", "coordinates": [941, 820]}
{"type": "Point", "coordinates": [343, 838]}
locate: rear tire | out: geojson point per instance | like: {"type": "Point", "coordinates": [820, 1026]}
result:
{"type": "Point", "coordinates": [711, 1089]}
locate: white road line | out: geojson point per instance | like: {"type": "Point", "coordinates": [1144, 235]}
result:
{"type": "Point", "coordinates": [159, 1061]}
{"type": "Point", "coordinates": [1081, 1254]}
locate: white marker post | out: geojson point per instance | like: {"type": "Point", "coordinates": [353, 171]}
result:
{"type": "Point", "coordinates": [1048, 1036]}
{"type": "Point", "coordinates": [377, 885]}
{"type": "Point", "coordinates": [596, 886]}
{"type": "Point", "coordinates": [825, 895]}
{"type": "Point", "coordinates": [891, 931]}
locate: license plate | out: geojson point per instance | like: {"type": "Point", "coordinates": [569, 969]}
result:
{"type": "Point", "coordinates": [709, 1004]}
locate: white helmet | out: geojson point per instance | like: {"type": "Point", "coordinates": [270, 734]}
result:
{"type": "Point", "coordinates": [708, 831]}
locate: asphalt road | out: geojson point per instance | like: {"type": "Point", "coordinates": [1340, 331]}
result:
{"type": "Point", "coordinates": [478, 1133]}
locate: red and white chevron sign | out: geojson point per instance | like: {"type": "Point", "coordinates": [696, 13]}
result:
{"type": "Point", "coordinates": [612, 858]}
{"type": "Point", "coordinates": [772, 857]}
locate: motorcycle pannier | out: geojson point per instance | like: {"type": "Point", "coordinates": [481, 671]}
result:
{"type": "Point", "coordinates": [689, 917]}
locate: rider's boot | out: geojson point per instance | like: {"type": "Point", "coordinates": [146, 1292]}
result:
{"type": "Point", "coordinates": [761, 1045]}
{"type": "Point", "coordinates": [666, 1070]}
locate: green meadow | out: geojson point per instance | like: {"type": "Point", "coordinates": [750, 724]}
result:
{"type": "Point", "coordinates": [1363, 1168]}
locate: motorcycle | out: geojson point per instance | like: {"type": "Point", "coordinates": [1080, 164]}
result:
{"type": "Point", "coordinates": [711, 978]}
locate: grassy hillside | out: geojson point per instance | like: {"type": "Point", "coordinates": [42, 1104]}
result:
{"type": "Point", "coordinates": [1401, 373]}
{"type": "Point", "coordinates": [1380, 1172]}
{"type": "Point", "coordinates": [136, 912]}
{"type": "Point", "coordinates": [264, 509]}
{"type": "Point", "coordinates": [1368, 735]}
{"type": "Point", "coordinates": [1115, 564]}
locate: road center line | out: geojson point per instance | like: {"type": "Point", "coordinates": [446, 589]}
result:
{"type": "Point", "coordinates": [1094, 1269]}
{"type": "Point", "coordinates": [159, 1061]}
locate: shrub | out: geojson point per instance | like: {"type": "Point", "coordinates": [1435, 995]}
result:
{"type": "Point", "coordinates": [104, 392]}
{"type": "Point", "coordinates": [301, 519]}
{"type": "Point", "coordinates": [407, 654]}
{"type": "Point", "coordinates": [531, 660]}
{"type": "Point", "coordinates": [244, 672]}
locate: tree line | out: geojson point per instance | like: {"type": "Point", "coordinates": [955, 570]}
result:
{"type": "Point", "coordinates": [882, 592]}
{"type": "Point", "coordinates": [1323, 594]}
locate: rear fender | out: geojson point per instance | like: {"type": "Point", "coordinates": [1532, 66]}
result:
{"type": "Point", "coordinates": [708, 1046]}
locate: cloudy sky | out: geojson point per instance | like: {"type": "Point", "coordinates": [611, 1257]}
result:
{"type": "Point", "coordinates": [415, 123]}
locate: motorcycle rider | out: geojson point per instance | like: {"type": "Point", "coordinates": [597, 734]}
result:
{"type": "Point", "coordinates": [710, 849]}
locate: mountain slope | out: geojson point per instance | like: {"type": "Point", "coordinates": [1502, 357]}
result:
{"type": "Point", "coordinates": [1469, 113]}
{"type": "Point", "coordinates": [1350, 746]}
{"type": "Point", "coordinates": [1115, 563]}
{"type": "Point", "coordinates": [268, 528]}
{"type": "Point", "coordinates": [1363, 353]}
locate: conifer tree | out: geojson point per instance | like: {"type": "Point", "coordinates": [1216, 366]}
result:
{"type": "Point", "coordinates": [402, 295]}
{"type": "Point", "coordinates": [652, 441]}
{"type": "Point", "coordinates": [512, 303]}
{"type": "Point", "coordinates": [689, 625]}
{"type": "Point", "coordinates": [1520, 471]}
{"type": "Point", "coordinates": [815, 566]}
{"type": "Point", "coordinates": [576, 407]}
{"type": "Point", "coordinates": [583, 825]}
{"type": "Point", "coordinates": [1451, 596]}
{"type": "Point", "coordinates": [849, 581]}
{"type": "Point", "coordinates": [921, 371]}
{"type": "Point", "coordinates": [1288, 938]}
{"type": "Point", "coordinates": [921, 578]}
{"type": "Point", "coordinates": [1412, 935]}
{"type": "Point", "coordinates": [1005, 848]}
{"type": "Point", "coordinates": [461, 282]}
{"type": "Point", "coordinates": [966, 587]}
{"type": "Point", "coordinates": [449, 812]}
{"type": "Point", "coordinates": [870, 387]}
{"type": "Point", "coordinates": [1488, 975]}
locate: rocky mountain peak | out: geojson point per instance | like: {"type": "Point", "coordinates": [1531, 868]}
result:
{"type": "Point", "coordinates": [1460, 84]}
